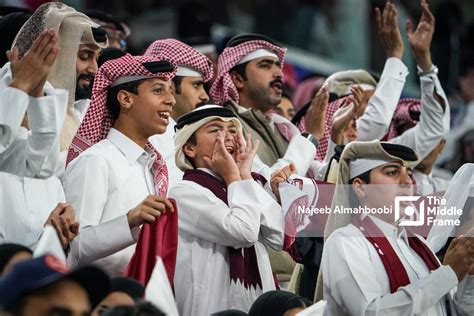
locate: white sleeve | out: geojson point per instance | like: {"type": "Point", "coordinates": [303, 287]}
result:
{"type": "Point", "coordinates": [37, 155]}
{"type": "Point", "coordinates": [272, 222]}
{"type": "Point", "coordinates": [434, 121]}
{"type": "Point", "coordinates": [12, 109]}
{"type": "Point", "coordinates": [300, 152]}
{"type": "Point", "coordinates": [352, 282]}
{"type": "Point", "coordinates": [86, 187]}
{"type": "Point", "coordinates": [374, 123]}
{"type": "Point", "coordinates": [318, 169]}
{"type": "Point", "coordinates": [237, 225]}
{"type": "Point", "coordinates": [464, 296]}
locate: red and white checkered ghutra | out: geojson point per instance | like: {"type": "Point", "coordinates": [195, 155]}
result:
{"type": "Point", "coordinates": [98, 121]}
{"type": "Point", "coordinates": [223, 89]}
{"type": "Point", "coordinates": [181, 54]}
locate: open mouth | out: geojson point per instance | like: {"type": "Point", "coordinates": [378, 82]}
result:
{"type": "Point", "coordinates": [164, 116]}
{"type": "Point", "coordinates": [230, 149]}
{"type": "Point", "coordinates": [277, 86]}
{"type": "Point", "coordinates": [84, 82]}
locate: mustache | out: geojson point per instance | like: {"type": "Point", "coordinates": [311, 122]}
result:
{"type": "Point", "coordinates": [277, 81]}
{"type": "Point", "coordinates": [202, 103]}
{"type": "Point", "coordinates": [88, 77]}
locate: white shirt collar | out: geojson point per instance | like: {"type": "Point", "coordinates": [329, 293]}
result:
{"type": "Point", "coordinates": [389, 230]}
{"type": "Point", "coordinates": [129, 148]}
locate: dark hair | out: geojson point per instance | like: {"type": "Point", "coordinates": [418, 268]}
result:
{"type": "Point", "coordinates": [113, 103]}
{"type": "Point", "coordinates": [177, 83]}
{"type": "Point", "coordinates": [240, 69]}
{"type": "Point", "coordinates": [140, 309]}
{"type": "Point", "coordinates": [298, 302]}
{"type": "Point", "coordinates": [353, 200]}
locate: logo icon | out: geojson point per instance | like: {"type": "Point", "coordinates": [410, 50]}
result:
{"type": "Point", "coordinates": [411, 216]}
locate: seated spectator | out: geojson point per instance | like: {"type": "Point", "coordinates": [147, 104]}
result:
{"type": "Point", "coordinates": [11, 254]}
{"type": "Point", "coordinates": [225, 215]}
{"type": "Point", "coordinates": [279, 303]}
{"type": "Point", "coordinates": [44, 286]}
{"type": "Point", "coordinates": [124, 291]}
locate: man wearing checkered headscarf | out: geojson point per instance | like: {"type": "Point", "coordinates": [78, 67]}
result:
{"type": "Point", "coordinates": [115, 179]}
{"type": "Point", "coordinates": [405, 119]}
{"type": "Point", "coordinates": [249, 82]}
{"type": "Point", "coordinates": [194, 70]}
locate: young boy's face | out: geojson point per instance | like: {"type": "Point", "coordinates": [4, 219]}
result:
{"type": "Point", "coordinates": [387, 182]}
{"type": "Point", "coordinates": [206, 137]}
{"type": "Point", "coordinates": [152, 106]}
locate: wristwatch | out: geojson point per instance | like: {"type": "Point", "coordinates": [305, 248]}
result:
{"type": "Point", "coordinates": [432, 70]}
{"type": "Point", "coordinates": [311, 138]}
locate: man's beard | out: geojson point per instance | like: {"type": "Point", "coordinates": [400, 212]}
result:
{"type": "Point", "coordinates": [202, 103]}
{"type": "Point", "coordinates": [84, 92]}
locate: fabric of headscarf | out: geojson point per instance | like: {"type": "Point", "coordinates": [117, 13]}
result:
{"type": "Point", "coordinates": [340, 82]}
{"type": "Point", "coordinates": [274, 303]}
{"type": "Point", "coordinates": [306, 90]}
{"type": "Point", "coordinates": [406, 116]}
{"type": "Point", "coordinates": [183, 134]}
{"type": "Point", "coordinates": [352, 151]}
{"type": "Point", "coordinates": [73, 28]}
{"type": "Point", "coordinates": [323, 143]}
{"type": "Point", "coordinates": [7, 251]}
{"type": "Point", "coordinates": [182, 54]}
{"type": "Point", "coordinates": [10, 24]}
{"type": "Point", "coordinates": [223, 88]}
{"type": "Point", "coordinates": [98, 120]}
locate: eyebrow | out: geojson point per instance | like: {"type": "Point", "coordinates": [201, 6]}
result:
{"type": "Point", "coordinates": [158, 84]}
{"type": "Point", "coordinates": [198, 81]}
{"type": "Point", "coordinates": [393, 165]}
{"type": "Point", "coordinates": [270, 61]}
{"type": "Point", "coordinates": [214, 124]}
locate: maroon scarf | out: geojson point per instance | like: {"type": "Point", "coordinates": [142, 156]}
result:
{"type": "Point", "coordinates": [243, 263]}
{"type": "Point", "coordinates": [396, 272]}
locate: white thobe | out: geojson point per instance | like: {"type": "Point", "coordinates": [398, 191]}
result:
{"type": "Point", "coordinates": [165, 145]}
{"type": "Point", "coordinates": [103, 184]}
{"type": "Point", "coordinates": [434, 121]}
{"type": "Point", "coordinates": [355, 281]}
{"type": "Point", "coordinates": [456, 132]}
{"type": "Point", "coordinates": [427, 184]}
{"type": "Point", "coordinates": [34, 153]}
{"type": "Point", "coordinates": [300, 151]}
{"type": "Point", "coordinates": [375, 121]}
{"type": "Point", "coordinates": [206, 228]}
{"type": "Point", "coordinates": [25, 205]}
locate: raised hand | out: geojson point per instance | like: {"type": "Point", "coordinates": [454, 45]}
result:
{"type": "Point", "coordinates": [281, 176]}
{"type": "Point", "coordinates": [244, 154]}
{"type": "Point", "coordinates": [345, 114]}
{"type": "Point", "coordinates": [222, 162]}
{"type": "Point", "coordinates": [420, 39]}
{"type": "Point", "coordinates": [389, 33]}
{"type": "Point", "coordinates": [460, 254]}
{"type": "Point", "coordinates": [30, 72]}
{"type": "Point", "coordinates": [149, 210]}
{"type": "Point", "coordinates": [316, 115]}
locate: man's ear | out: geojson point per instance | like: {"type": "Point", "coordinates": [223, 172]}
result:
{"type": "Point", "coordinates": [359, 188]}
{"type": "Point", "coordinates": [125, 99]}
{"type": "Point", "coordinates": [189, 150]}
{"type": "Point", "coordinates": [237, 79]}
